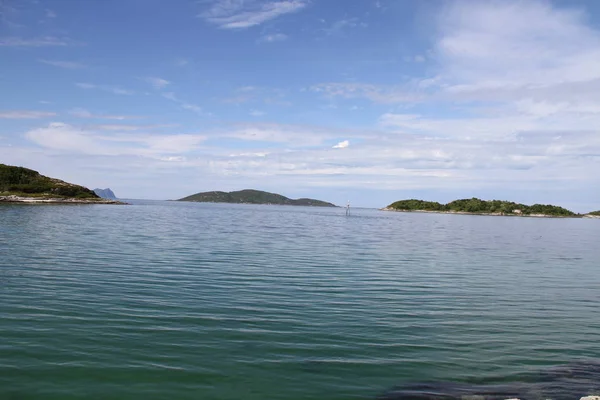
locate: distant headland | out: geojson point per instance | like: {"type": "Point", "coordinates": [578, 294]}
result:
{"type": "Point", "coordinates": [477, 206]}
{"type": "Point", "coordinates": [105, 193]}
{"type": "Point", "coordinates": [250, 196]}
{"type": "Point", "coordinates": [23, 185]}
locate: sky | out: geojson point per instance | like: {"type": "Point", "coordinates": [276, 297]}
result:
{"type": "Point", "coordinates": [370, 101]}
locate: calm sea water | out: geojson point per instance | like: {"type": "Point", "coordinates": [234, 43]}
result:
{"type": "Point", "coordinates": [164, 300]}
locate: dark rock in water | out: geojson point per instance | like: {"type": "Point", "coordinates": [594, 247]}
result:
{"type": "Point", "coordinates": [105, 193]}
{"type": "Point", "coordinates": [569, 382]}
{"type": "Point", "coordinates": [453, 391]}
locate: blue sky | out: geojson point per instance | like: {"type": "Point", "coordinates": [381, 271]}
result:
{"type": "Point", "coordinates": [371, 100]}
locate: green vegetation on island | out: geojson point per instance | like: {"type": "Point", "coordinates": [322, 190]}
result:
{"type": "Point", "coordinates": [478, 206]}
{"type": "Point", "coordinates": [595, 213]}
{"type": "Point", "coordinates": [250, 196]}
{"type": "Point", "coordinates": [24, 182]}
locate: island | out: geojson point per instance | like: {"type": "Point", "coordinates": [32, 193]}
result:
{"type": "Point", "coordinates": [250, 196]}
{"type": "Point", "coordinates": [477, 206]}
{"type": "Point", "coordinates": [105, 193]}
{"type": "Point", "coordinates": [23, 185]}
{"type": "Point", "coordinates": [593, 214]}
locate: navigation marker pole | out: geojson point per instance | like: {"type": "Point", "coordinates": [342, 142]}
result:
{"type": "Point", "coordinates": [348, 208]}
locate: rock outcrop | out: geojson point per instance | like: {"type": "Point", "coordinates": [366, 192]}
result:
{"type": "Point", "coordinates": [105, 193]}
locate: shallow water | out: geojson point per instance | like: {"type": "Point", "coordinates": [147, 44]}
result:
{"type": "Point", "coordinates": [201, 301]}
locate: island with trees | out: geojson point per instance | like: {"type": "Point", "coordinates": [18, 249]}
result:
{"type": "Point", "coordinates": [250, 196]}
{"type": "Point", "coordinates": [477, 206]}
{"type": "Point", "coordinates": [23, 185]}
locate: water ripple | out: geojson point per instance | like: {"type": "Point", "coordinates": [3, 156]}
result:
{"type": "Point", "coordinates": [187, 301]}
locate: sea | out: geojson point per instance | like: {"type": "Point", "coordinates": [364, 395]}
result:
{"type": "Point", "coordinates": [172, 300]}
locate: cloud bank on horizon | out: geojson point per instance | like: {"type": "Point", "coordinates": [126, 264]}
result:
{"type": "Point", "coordinates": [370, 100]}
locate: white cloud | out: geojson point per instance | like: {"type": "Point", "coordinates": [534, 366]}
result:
{"type": "Point", "coordinates": [25, 114]}
{"type": "Point", "coordinates": [546, 46]}
{"type": "Point", "coordinates": [239, 14]}
{"type": "Point", "coordinates": [106, 88]}
{"type": "Point", "coordinates": [43, 41]}
{"type": "Point", "coordinates": [274, 37]}
{"type": "Point", "coordinates": [157, 83]}
{"type": "Point", "coordinates": [64, 64]}
{"type": "Point", "coordinates": [342, 145]}
{"type": "Point", "coordinates": [83, 113]}
{"type": "Point", "coordinates": [291, 135]}
{"type": "Point", "coordinates": [70, 139]}
{"type": "Point", "coordinates": [50, 14]}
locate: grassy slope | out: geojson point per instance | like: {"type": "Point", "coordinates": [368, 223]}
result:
{"type": "Point", "coordinates": [26, 182]}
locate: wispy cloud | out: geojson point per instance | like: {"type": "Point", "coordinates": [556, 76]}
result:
{"type": "Point", "coordinates": [183, 104]}
{"type": "Point", "coordinates": [79, 140]}
{"type": "Point", "coordinates": [64, 64]}
{"type": "Point", "coordinates": [182, 62]}
{"type": "Point", "coordinates": [239, 14]}
{"type": "Point", "coordinates": [25, 114]}
{"type": "Point", "coordinates": [254, 94]}
{"type": "Point", "coordinates": [43, 41]}
{"type": "Point", "coordinates": [339, 26]}
{"type": "Point", "coordinates": [157, 83]}
{"type": "Point", "coordinates": [106, 88]}
{"type": "Point", "coordinates": [417, 59]}
{"type": "Point", "coordinates": [130, 127]}
{"type": "Point", "coordinates": [386, 94]}
{"type": "Point", "coordinates": [274, 37]}
{"type": "Point", "coordinates": [50, 14]}
{"type": "Point", "coordinates": [83, 113]}
{"type": "Point", "coordinates": [257, 113]}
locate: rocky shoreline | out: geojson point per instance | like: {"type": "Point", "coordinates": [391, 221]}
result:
{"type": "Point", "coordinates": [55, 200]}
{"type": "Point", "coordinates": [490, 214]}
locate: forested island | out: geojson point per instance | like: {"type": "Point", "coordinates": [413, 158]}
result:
{"type": "Point", "coordinates": [23, 185]}
{"type": "Point", "coordinates": [483, 207]}
{"type": "Point", "coordinates": [250, 196]}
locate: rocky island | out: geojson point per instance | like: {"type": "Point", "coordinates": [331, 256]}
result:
{"type": "Point", "coordinates": [250, 196]}
{"type": "Point", "coordinates": [23, 185]}
{"type": "Point", "coordinates": [477, 206]}
{"type": "Point", "coordinates": [105, 193]}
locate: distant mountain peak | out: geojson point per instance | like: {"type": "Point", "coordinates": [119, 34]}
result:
{"type": "Point", "coordinates": [105, 193]}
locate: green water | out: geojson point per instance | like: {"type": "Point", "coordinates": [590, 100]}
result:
{"type": "Point", "coordinates": [164, 300]}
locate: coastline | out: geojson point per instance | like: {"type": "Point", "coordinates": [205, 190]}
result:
{"type": "Point", "coordinates": [490, 214]}
{"type": "Point", "coordinates": [55, 200]}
